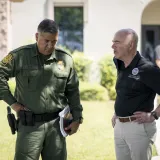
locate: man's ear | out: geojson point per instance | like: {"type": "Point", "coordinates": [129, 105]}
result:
{"type": "Point", "coordinates": [36, 36]}
{"type": "Point", "coordinates": [131, 45]}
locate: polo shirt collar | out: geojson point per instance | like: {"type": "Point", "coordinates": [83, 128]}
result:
{"type": "Point", "coordinates": [135, 60]}
{"type": "Point", "coordinates": [133, 63]}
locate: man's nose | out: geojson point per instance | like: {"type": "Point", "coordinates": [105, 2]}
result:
{"type": "Point", "coordinates": [50, 45]}
{"type": "Point", "coordinates": [113, 46]}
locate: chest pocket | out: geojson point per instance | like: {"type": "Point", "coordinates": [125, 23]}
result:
{"type": "Point", "coordinates": [60, 80]}
{"type": "Point", "coordinates": [31, 79]}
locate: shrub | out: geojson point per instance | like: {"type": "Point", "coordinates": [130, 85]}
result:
{"type": "Point", "coordinates": [108, 75]}
{"type": "Point", "coordinates": [82, 65]}
{"type": "Point", "coordinates": [90, 92]}
{"type": "Point", "coordinates": [112, 93]}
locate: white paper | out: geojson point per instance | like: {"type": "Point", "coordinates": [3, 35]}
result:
{"type": "Point", "coordinates": [64, 114]}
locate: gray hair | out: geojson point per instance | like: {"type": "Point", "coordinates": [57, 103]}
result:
{"type": "Point", "coordinates": [130, 31]}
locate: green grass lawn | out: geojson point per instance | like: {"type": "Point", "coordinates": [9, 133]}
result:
{"type": "Point", "coordinates": [93, 141]}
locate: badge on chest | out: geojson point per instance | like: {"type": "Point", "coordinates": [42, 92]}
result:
{"type": "Point", "coordinates": [135, 74]}
{"type": "Point", "coordinates": [60, 65]}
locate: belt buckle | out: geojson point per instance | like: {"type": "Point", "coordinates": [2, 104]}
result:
{"type": "Point", "coordinates": [130, 120]}
{"type": "Point", "coordinates": [125, 119]}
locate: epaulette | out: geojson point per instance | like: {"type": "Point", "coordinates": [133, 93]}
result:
{"type": "Point", "coordinates": [61, 50]}
{"type": "Point", "coordinates": [22, 47]}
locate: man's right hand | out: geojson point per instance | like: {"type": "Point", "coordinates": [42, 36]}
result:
{"type": "Point", "coordinates": [17, 107]}
{"type": "Point", "coordinates": [114, 120]}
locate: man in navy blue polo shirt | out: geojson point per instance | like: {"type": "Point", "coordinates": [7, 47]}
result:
{"type": "Point", "coordinates": [137, 84]}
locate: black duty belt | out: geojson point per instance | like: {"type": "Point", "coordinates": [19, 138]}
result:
{"type": "Point", "coordinates": [45, 117]}
{"type": "Point", "coordinates": [28, 118]}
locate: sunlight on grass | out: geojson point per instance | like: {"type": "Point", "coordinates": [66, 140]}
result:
{"type": "Point", "coordinates": [95, 138]}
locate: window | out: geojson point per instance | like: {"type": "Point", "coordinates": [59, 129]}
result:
{"type": "Point", "coordinates": [70, 21]}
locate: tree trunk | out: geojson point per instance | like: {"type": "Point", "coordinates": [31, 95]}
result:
{"type": "Point", "coordinates": [3, 28]}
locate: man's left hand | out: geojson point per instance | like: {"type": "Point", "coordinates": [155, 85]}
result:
{"type": "Point", "coordinates": [73, 127]}
{"type": "Point", "coordinates": [143, 117]}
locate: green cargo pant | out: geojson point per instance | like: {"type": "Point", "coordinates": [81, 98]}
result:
{"type": "Point", "coordinates": [43, 138]}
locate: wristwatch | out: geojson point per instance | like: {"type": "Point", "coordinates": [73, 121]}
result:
{"type": "Point", "coordinates": [154, 114]}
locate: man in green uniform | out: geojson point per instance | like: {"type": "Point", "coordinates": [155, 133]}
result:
{"type": "Point", "coordinates": [46, 82]}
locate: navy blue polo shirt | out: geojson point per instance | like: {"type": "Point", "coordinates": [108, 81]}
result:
{"type": "Point", "coordinates": [136, 86]}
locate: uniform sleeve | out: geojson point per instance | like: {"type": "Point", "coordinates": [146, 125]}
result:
{"type": "Point", "coordinates": [7, 70]}
{"type": "Point", "coordinates": [150, 76]}
{"type": "Point", "coordinates": [72, 94]}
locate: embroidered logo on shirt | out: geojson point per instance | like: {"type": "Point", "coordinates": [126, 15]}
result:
{"type": "Point", "coordinates": [135, 71]}
{"type": "Point", "coordinates": [7, 59]}
{"type": "Point", "coordinates": [60, 65]}
{"type": "Point", "coordinates": [136, 77]}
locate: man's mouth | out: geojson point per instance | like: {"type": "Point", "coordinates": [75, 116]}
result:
{"type": "Point", "coordinates": [49, 50]}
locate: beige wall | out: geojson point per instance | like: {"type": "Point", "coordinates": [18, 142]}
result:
{"type": "Point", "coordinates": [102, 18]}
{"type": "Point", "coordinates": [25, 19]}
{"type": "Point", "coordinates": [151, 14]}
{"type": "Point", "coordinates": [105, 17]}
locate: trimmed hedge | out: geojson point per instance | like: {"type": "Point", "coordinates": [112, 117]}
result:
{"type": "Point", "coordinates": [93, 92]}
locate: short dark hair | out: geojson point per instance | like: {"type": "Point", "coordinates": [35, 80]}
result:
{"type": "Point", "coordinates": [48, 25]}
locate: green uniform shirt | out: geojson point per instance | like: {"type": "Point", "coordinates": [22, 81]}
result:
{"type": "Point", "coordinates": [43, 83]}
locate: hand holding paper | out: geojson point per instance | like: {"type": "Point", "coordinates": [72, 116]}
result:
{"type": "Point", "coordinates": [73, 127]}
{"type": "Point", "coordinates": [65, 121]}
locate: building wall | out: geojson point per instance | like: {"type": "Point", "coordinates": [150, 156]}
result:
{"type": "Point", "coordinates": [102, 19]}
{"type": "Point", "coordinates": [151, 14]}
{"type": "Point", "coordinates": [25, 19]}
{"type": "Point", "coordinates": [105, 17]}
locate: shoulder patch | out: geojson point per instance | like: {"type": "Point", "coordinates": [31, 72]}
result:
{"type": "Point", "coordinates": [7, 59]}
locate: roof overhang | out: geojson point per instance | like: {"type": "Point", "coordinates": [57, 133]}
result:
{"type": "Point", "coordinates": [16, 0]}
